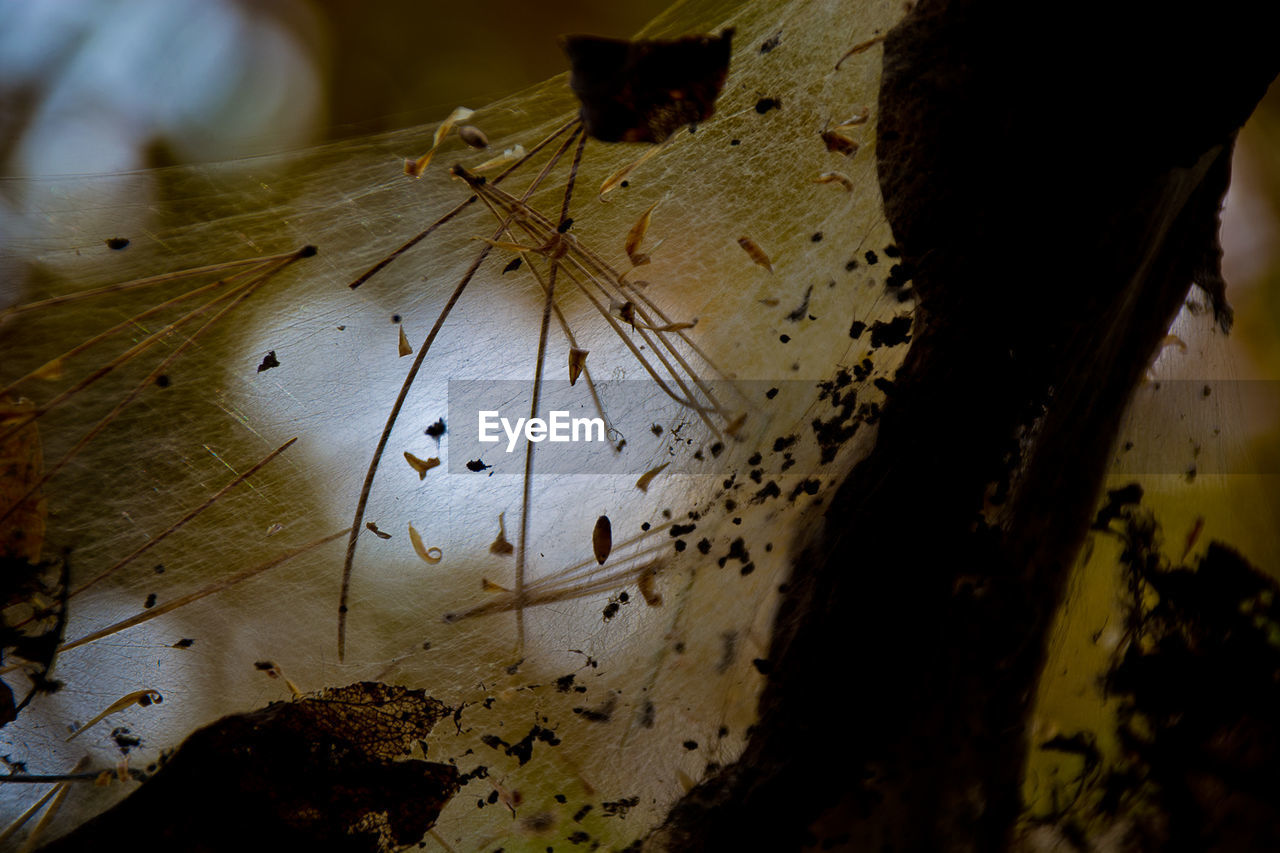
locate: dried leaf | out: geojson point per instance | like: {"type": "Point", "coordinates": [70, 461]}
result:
{"type": "Point", "coordinates": [327, 771]}
{"type": "Point", "coordinates": [428, 555]}
{"type": "Point", "coordinates": [602, 539]}
{"type": "Point", "coordinates": [647, 477]}
{"type": "Point", "coordinates": [405, 349]}
{"type": "Point", "coordinates": [754, 252]}
{"type": "Point", "coordinates": [577, 361]}
{"type": "Point", "coordinates": [636, 236]}
{"type": "Point", "coordinates": [422, 466]}
{"type": "Point", "coordinates": [501, 545]}
{"type": "Point", "coordinates": [835, 178]}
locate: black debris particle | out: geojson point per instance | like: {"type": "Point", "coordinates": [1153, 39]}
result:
{"type": "Point", "coordinates": [786, 339]}
{"type": "Point", "coordinates": [513, 266]}
{"type": "Point", "coordinates": [679, 647]}
{"type": "Point", "coordinates": [610, 610]}
{"type": "Point", "coordinates": [765, 104]}
{"type": "Point", "coordinates": [561, 799]}
{"type": "Point", "coordinates": [728, 651]}
{"type": "Point", "coordinates": [757, 475]}
{"type": "Point", "coordinates": [737, 551]}
{"type": "Point", "coordinates": [619, 808]}
{"type": "Point", "coordinates": [269, 361]}
{"type": "Point", "coordinates": [894, 332]}
{"type": "Point", "coordinates": [477, 465]}
{"type": "Point", "coordinates": [648, 713]}
{"type": "Point", "coordinates": [1118, 501]}
{"type": "Point", "coordinates": [184, 643]}
{"type": "Point", "coordinates": [763, 666]}
{"type": "Point", "coordinates": [856, 329]}
{"type": "Point", "coordinates": [717, 449]}
{"type": "Point", "coordinates": [771, 42]}
{"type": "Point", "coordinates": [871, 257]}
{"type": "Point", "coordinates": [582, 812]}
{"type": "Point", "coordinates": [163, 381]}
{"type": "Point", "coordinates": [680, 545]}
{"type": "Point", "coordinates": [690, 745]}
{"type": "Point", "coordinates": [892, 251]}
{"type": "Point", "coordinates": [798, 314]}
{"type": "Point", "coordinates": [564, 683]}
{"type": "Point", "coordinates": [566, 225]}
{"type": "Point", "coordinates": [885, 385]}
{"type": "Point", "coordinates": [656, 429]}
{"type": "Point", "coordinates": [125, 740]}
{"type": "Point", "coordinates": [899, 276]}
{"type": "Point", "coordinates": [851, 265]}
{"type": "Point", "coordinates": [771, 393]}
{"type": "Point", "coordinates": [730, 504]}
{"type": "Point", "coordinates": [817, 237]}
{"type": "Point", "coordinates": [522, 751]}
{"type": "Point", "coordinates": [1191, 474]}
{"type": "Point", "coordinates": [396, 318]}
{"type": "Point", "coordinates": [682, 529]}
{"type": "Point", "coordinates": [159, 568]}
{"type": "Point", "coordinates": [770, 490]}
{"type": "Point", "coordinates": [704, 546]}
{"type": "Point", "coordinates": [1206, 391]}
{"type": "Point", "coordinates": [737, 521]}
{"type": "Point", "coordinates": [150, 602]}
{"type": "Point", "coordinates": [755, 458]}
{"type": "Point", "coordinates": [807, 487]}
{"type": "Point", "coordinates": [645, 526]}
{"type": "Point", "coordinates": [735, 142]}
{"type": "Point", "coordinates": [493, 797]}
{"type": "Point", "coordinates": [117, 243]}
{"type": "Point", "coordinates": [603, 714]}
{"type": "Point", "coordinates": [783, 442]}
{"type": "Point", "coordinates": [578, 837]}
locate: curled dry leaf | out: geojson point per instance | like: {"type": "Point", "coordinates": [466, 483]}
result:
{"type": "Point", "coordinates": [835, 178]}
{"type": "Point", "coordinates": [636, 236]}
{"type": "Point", "coordinates": [429, 555]}
{"type": "Point", "coordinates": [415, 168]}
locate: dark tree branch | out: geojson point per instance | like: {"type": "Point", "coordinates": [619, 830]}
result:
{"type": "Point", "coordinates": [1054, 185]}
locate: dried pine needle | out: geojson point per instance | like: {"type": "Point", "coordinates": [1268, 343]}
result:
{"type": "Point", "coordinates": [602, 539]}
{"type": "Point", "coordinates": [647, 477]}
{"type": "Point", "coordinates": [431, 556]}
{"type": "Point", "coordinates": [422, 466]}
{"type": "Point", "coordinates": [138, 697]}
{"type": "Point", "coordinates": [754, 252]}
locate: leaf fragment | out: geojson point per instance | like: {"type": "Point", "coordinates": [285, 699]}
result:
{"type": "Point", "coordinates": [577, 361]}
{"type": "Point", "coordinates": [647, 477]}
{"type": "Point", "coordinates": [602, 539]}
{"type": "Point", "coordinates": [422, 466]}
{"type": "Point", "coordinates": [430, 556]}
{"type": "Point", "coordinates": [636, 236]}
{"type": "Point", "coordinates": [835, 178]}
{"type": "Point", "coordinates": [753, 250]}
{"type": "Point", "coordinates": [404, 347]}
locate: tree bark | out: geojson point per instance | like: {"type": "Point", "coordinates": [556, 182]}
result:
{"type": "Point", "coordinates": [1054, 186]}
